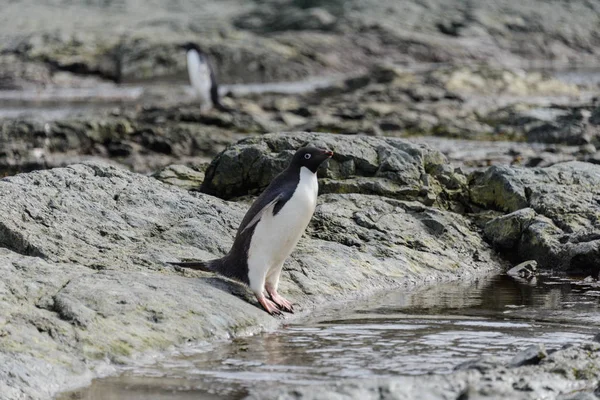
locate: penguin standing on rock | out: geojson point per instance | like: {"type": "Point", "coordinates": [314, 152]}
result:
{"type": "Point", "coordinates": [202, 78]}
{"type": "Point", "coordinates": [271, 229]}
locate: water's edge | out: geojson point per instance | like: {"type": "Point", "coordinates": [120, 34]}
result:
{"type": "Point", "coordinates": [104, 370]}
{"type": "Point", "coordinates": [387, 335]}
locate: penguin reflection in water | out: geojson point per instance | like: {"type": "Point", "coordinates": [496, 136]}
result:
{"type": "Point", "coordinates": [202, 78]}
{"type": "Point", "coordinates": [271, 229]}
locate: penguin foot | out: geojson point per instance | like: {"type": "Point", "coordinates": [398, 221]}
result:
{"type": "Point", "coordinates": [268, 305]}
{"type": "Point", "coordinates": [282, 303]}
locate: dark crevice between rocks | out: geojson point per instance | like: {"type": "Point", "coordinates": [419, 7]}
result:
{"type": "Point", "coordinates": [585, 264]}
{"type": "Point", "coordinates": [464, 395]}
{"type": "Point", "coordinates": [80, 68]}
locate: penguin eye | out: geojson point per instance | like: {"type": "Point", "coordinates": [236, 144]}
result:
{"type": "Point", "coordinates": [307, 156]}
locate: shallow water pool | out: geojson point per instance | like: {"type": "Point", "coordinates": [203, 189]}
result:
{"type": "Point", "coordinates": [426, 331]}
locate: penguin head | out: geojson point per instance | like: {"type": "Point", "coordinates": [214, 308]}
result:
{"type": "Point", "coordinates": [311, 158]}
{"type": "Point", "coordinates": [192, 46]}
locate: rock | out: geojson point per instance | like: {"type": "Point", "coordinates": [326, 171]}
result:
{"type": "Point", "coordinates": [551, 214]}
{"type": "Point", "coordinates": [527, 270]}
{"type": "Point", "coordinates": [505, 231]}
{"type": "Point", "coordinates": [530, 356]}
{"type": "Point", "coordinates": [292, 120]}
{"type": "Point", "coordinates": [18, 75]}
{"type": "Point", "coordinates": [481, 365]}
{"type": "Point", "coordinates": [595, 117]}
{"type": "Point", "coordinates": [285, 40]}
{"type": "Point", "coordinates": [486, 79]}
{"type": "Point", "coordinates": [570, 129]}
{"type": "Point", "coordinates": [588, 149]}
{"type": "Point", "coordinates": [83, 251]}
{"type": "Point", "coordinates": [475, 154]}
{"type": "Point", "coordinates": [294, 17]}
{"type": "Point", "coordinates": [181, 176]}
{"type": "Point", "coordinates": [142, 56]}
{"type": "Point", "coordinates": [143, 141]}
{"type": "Point", "coordinates": [579, 396]}
{"type": "Point", "coordinates": [382, 166]}
{"type": "Point", "coordinates": [556, 376]}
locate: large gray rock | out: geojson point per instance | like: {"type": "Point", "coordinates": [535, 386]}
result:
{"type": "Point", "coordinates": [552, 214]}
{"type": "Point", "coordinates": [383, 166]}
{"type": "Point", "coordinates": [556, 376]}
{"type": "Point", "coordinates": [16, 74]}
{"type": "Point", "coordinates": [85, 283]}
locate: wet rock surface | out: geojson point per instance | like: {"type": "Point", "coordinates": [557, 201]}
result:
{"type": "Point", "coordinates": [526, 271]}
{"type": "Point", "coordinates": [564, 374]}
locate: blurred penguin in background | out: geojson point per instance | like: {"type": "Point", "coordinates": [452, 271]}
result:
{"type": "Point", "coordinates": [202, 78]}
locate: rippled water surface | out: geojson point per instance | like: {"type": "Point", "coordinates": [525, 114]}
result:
{"type": "Point", "coordinates": [430, 330]}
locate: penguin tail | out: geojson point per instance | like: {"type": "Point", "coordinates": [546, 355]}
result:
{"type": "Point", "coordinates": [206, 266]}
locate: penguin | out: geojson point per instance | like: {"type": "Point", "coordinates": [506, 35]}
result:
{"type": "Point", "coordinates": [271, 229]}
{"type": "Point", "coordinates": [202, 78]}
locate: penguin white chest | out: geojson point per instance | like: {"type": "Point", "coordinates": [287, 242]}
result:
{"type": "Point", "coordinates": [275, 236]}
{"type": "Point", "coordinates": [199, 73]}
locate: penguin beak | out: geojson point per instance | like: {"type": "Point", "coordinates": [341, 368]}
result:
{"type": "Point", "coordinates": [329, 153]}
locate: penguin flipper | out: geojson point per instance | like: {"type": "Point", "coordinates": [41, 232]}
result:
{"type": "Point", "coordinates": [269, 207]}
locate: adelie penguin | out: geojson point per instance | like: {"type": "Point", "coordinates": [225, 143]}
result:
{"type": "Point", "coordinates": [271, 229]}
{"type": "Point", "coordinates": [202, 78]}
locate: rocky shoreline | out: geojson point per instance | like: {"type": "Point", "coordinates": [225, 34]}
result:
{"type": "Point", "coordinates": [96, 238]}
{"type": "Point", "coordinates": [457, 153]}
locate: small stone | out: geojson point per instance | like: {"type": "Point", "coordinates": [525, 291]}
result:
{"type": "Point", "coordinates": [525, 270]}
{"type": "Point", "coordinates": [532, 355]}
{"type": "Point", "coordinates": [587, 149]}
{"type": "Point", "coordinates": [292, 120]}
{"type": "Point", "coordinates": [482, 365]}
